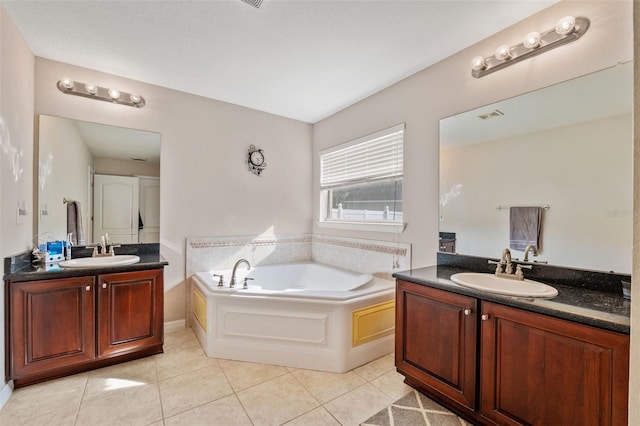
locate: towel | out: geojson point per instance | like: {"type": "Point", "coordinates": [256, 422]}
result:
{"type": "Point", "coordinates": [524, 227]}
{"type": "Point", "coordinates": [74, 223]}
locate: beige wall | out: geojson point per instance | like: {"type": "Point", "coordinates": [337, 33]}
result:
{"type": "Point", "coordinates": [206, 187]}
{"type": "Point", "coordinates": [16, 152]}
{"type": "Point", "coordinates": [634, 388]}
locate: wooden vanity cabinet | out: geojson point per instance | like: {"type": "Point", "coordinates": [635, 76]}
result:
{"type": "Point", "coordinates": [436, 342]}
{"type": "Point", "coordinates": [541, 370]}
{"type": "Point", "coordinates": [58, 327]}
{"type": "Point", "coordinates": [530, 369]}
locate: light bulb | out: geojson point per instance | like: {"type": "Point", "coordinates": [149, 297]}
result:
{"type": "Point", "coordinates": [478, 63]}
{"type": "Point", "coordinates": [532, 40]}
{"type": "Point", "coordinates": [503, 53]}
{"type": "Point", "coordinates": [114, 93]}
{"type": "Point", "coordinates": [67, 83]}
{"type": "Point", "coordinates": [135, 98]}
{"type": "Point", "coordinates": [91, 88]}
{"type": "Point", "coordinates": [566, 25]}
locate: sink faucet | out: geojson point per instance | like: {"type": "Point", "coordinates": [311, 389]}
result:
{"type": "Point", "coordinates": [232, 283]}
{"type": "Point", "coordinates": [505, 261]}
{"type": "Point", "coordinates": [528, 248]}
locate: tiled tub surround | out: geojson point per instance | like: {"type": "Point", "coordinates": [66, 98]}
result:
{"type": "Point", "coordinates": [587, 297]}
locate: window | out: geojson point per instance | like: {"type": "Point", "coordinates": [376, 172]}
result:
{"type": "Point", "coordinates": [361, 180]}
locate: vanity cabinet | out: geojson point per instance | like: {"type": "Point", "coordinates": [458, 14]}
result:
{"type": "Point", "coordinates": [57, 327]}
{"type": "Point", "coordinates": [495, 364]}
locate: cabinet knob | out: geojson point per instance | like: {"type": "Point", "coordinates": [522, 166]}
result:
{"type": "Point", "coordinates": [104, 285]}
{"type": "Point", "coordinates": [88, 288]}
{"type": "Point", "coordinates": [484, 317]}
{"type": "Point", "coordinates": [467, 312]}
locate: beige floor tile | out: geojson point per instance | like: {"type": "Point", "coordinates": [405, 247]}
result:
{"type": "Point", "coordinates": [136, 406]}
{"type": "Point", "coordinates": [182, 360]}
{"type": "Point", "coordinates": [327, 386]}
{"type": "Point", "coordinates": [276, 401]}
{"type": "Point", "coordinates": [358, 405]}
{"type": "Point", "coordinates": [392, 384]}
{"type": "Point", "coordinates": [223, 412]}
{"type": "Point", "coordinates": [120, 378]}
{"type": "Point", "coordinates": [243, 375]}
{"type": "Point", "coordinates": [180, 339]}
{"type": "Point", "coordinates": [317, 417]}
{"type": "Point", "coordinates": [190, 390]}
{"type": "Point", "coordinates": [376, 368]}
{"type": "Point", "coordinates": [63, 417]}
{"type": "Point", "coordinates": [48, 397]}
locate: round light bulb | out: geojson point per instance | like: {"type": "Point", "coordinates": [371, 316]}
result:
{"type": "Point", "coordinates": [91, 88]}
{"type": "Point", "coordinates": [135, 98]}
{"type": "Point", "coordinates": [532, 40]}
{"type": "Point", "coordinates": [114, 93]}
{"type": "Point", "coordinates": [67, 83]}
{"type": "Point", "coordinates": [478, 63]}
{"type": "Point", "coordinates": [566, 25]}
{"type": "Point", "coordinates": [503, 53]}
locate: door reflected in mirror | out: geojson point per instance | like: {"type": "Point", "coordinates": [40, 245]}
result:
{"type": "Point", "coordinates": [569, 147]}
{"type": "Point", "coordinates": [112, 174]}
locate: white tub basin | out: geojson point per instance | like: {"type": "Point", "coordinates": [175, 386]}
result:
{"type": "Point", "coordinates": [96, 262]}
{"type": "Point", "coordinates": [493, 284]}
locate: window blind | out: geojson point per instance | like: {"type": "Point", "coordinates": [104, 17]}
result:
{"type": "Point", "coordinates": [371, 158]}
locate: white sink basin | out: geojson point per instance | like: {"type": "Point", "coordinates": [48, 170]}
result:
{"type": "Point", "coordinates": [96, 262]}
{"type": "Point", "coordinates": [493, 284]}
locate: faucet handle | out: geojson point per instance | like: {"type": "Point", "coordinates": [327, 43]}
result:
{"type": "Point", "coordinates": [498, 265]}
{"type": "Point", "coordinates": [519, 274]}
{"type": "Point", "coordinates": [111, 247]}
{"type": "Point", "coordinates": [95, 249]}
{"type": "Point", "coordinates": [246, 286]}
{"type": "Point", "coordinates": [221, 280]}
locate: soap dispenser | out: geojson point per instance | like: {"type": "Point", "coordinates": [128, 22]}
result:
{"type": "Point", "coordinates": [67, 253]}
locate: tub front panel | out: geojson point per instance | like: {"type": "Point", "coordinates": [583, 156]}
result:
{"type": "Point", "coordinates": [373, 322]}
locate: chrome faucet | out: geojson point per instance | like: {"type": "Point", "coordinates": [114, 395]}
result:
{"type": "Point", "coordinates": [528, 248]}
{"type": "Point", "coordinates": [232, 283]}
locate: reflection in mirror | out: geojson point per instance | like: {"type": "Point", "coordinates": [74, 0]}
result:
{"type": "Point", "coordinates": [567, 146]}
{"type": "Point", "coordinates": [111, 173]}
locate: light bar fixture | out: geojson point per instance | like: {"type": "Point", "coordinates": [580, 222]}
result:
{"type": "Point", "coordinates": [567, 29]}
{"type": "Point", "coordinates": [88, 90]}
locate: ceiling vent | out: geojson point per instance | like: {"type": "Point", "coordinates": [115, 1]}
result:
{"type": "Point", "coordinates": [254, 3]}
{"type": "Point", "coordinates": [492, 114]}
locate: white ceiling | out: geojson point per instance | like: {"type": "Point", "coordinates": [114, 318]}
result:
{"type": "Point", "coordinates": [303, 59]}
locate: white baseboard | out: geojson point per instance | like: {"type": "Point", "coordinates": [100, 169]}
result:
{"type": "Point", "coordinates": [174, 325]}
{"type": "Point", "coordinates": [5, 393]}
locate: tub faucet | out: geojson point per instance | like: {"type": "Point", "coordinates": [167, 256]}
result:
{"type": "Point", "coordinates": [526, 252]}
{"type": "Point", "coordinates": [232, 283]}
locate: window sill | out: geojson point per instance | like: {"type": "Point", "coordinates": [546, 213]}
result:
{"type": "Point", "coordinates": [394, 227]}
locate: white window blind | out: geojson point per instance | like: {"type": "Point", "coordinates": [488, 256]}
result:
{"type": "Point", "coordinates": [370, 158]}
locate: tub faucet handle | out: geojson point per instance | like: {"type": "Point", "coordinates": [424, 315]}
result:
{"type": "Point", "coordinates": [246, 286]}
{"type": "Point", "coordinates": [221, 280]}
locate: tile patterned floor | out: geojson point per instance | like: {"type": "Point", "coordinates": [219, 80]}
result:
{"type": "Point", "coordinates": [184, 387]}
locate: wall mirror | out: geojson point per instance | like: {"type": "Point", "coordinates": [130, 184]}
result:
{"type": "Point", "coordinates": [568, 147]}
{"type": "Point", "coordinates": [112, 173]}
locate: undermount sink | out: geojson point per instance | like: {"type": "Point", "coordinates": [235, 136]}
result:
{"type": "Point", "coordinates": [493, 284]}
{"type": "Point", "coordinates": [96, 262]}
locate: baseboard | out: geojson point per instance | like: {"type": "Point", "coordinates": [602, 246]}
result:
{"type": "Point", "coordinates": [174, 325]}
{"type": "Point", "coordinates": [5, 393]}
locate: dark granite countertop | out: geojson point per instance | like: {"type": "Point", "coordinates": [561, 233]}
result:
{"type": "Point", "coordinates": [602, 309]}
{"type": "Point", "coordinates": [19, 267]}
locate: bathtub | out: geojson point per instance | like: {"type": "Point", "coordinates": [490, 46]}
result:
{"type": "Point", "coordinates": [303, 315]}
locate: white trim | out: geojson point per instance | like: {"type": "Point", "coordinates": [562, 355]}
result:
{"type": "Point", "coordinates": [393, 227]}
{"type": "Point", "coordinates": [174, 325]}
{"type": "Point", "coordinates": [5, 393]}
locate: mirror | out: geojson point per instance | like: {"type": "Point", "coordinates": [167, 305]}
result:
{"type": "Point", "coordinates": [568, 147]}
{"type": "Point", "coordinates": [113, 174]}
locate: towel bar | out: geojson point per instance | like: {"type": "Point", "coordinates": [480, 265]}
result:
{"type": "Point", "coordinates": [545, 207]}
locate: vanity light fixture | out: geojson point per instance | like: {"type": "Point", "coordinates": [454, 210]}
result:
{"type": "Point", "coordinates": [89, 90]}
{"type": "Point", "coordinates": [567, 29]}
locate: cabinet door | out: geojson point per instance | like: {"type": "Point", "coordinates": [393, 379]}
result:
{"type": "Point", "coordinates": [436, 340]}
{"type": "Point", "coordinates": [130, 311]}
{"type": "Point", "coordinates": [540, 370]}
{"type": "Point", "coordinates": [51, 325]}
